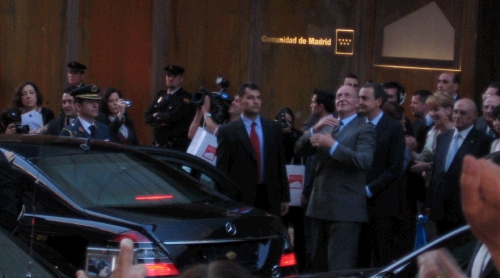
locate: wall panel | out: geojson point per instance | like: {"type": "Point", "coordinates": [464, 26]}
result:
{"type": "Point", "coordinates": [116, 44]}
{"type": "Point", "coordinates": [32, 40]}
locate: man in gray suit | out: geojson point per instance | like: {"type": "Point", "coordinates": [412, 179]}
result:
{"type": "Point", "coordinates": [338, 200]}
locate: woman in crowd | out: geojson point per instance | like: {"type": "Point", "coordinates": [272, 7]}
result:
{"type": "Point", "coordinates": [290, 134]}
{"type": "Point", "coordinates": [28, 99]}
{"type": "Point", "coordinates": [441, 111]}
{"type": "Point", "coordinates": [121, 128]}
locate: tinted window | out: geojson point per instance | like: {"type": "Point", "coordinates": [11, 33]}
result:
{"type": "Point", "coordinates": [120, 179]}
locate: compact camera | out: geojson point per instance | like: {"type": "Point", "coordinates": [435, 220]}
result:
{"type": "Point", "coordinates": [128, 103]}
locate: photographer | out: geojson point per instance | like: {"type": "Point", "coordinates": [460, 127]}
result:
{"type": "Point", "coordinates": [10, 122]}
{"type": "Point", "coordinates": [203, 116]}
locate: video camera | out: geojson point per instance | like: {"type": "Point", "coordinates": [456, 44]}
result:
{"type": "Point", "coordinates": [219, 101]}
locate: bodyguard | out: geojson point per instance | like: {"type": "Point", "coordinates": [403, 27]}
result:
{"type": "Point", "coordinates": [87, 107]}
{"type": "Point", "coordinates": [171, 112]}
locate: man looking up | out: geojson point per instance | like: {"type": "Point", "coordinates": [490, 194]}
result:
{"type": "Point", "coordinates": [449, 82]}
{"type": "Point", "coordinates": [384, 178]}
{"type": "Point", "coordinates": [76, 72]}
{"type": "Point", "coordinates": [87, 107]}
{"type": "Point", "coordinates": [250, 151]}
{"type": "Point", "coordinates": [344, 154]}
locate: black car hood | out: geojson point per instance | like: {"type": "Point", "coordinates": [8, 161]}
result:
{"type": "Point", "coordinates": [198, 222]}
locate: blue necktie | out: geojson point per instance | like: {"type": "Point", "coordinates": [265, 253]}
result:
{"type": "Point", "coordinates": [452, 151]}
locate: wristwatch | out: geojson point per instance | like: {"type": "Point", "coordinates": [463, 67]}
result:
{"type": "Point", "coordinates": [208, 115]}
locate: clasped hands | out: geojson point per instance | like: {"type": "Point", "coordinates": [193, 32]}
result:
{"type": "Point", "coordinates": [323, 139]}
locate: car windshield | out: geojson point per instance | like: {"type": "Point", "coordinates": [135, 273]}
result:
{"type": "Point", "coordinates": [121, 179]}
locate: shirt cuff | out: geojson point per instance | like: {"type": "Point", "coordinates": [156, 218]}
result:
{"type": "Point", "coordinates": [334, 147]}
{"type": "Point", "coordinates": [311, 130]}
{"type": "Point", "coordinates": [368, 192]}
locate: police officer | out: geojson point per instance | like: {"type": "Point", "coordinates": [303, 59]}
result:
{"type": "Point", "coordinates": [87, 107]}
{"type": "Point", "coordinates": [76, 72]}
{"type": "Point", "coordinates": [171, 112]}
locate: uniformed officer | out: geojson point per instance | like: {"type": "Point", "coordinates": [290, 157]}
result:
{"type": "Point", "coordinates": [75, 74]}
{"type": "Point", "coordinates": [87, 108]}
{"type": "Point", "coordinates": [171, 112]}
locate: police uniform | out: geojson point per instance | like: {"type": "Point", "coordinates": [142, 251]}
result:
{"type": "Point", "coordinates": [76, 129]}
{"type": "Point", "coordinates": [174, 115]}
{"type": "Point", "coordinates": [75, 66]}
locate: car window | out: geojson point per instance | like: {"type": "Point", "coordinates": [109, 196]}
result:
{"type": "Point", "coordinates": [208, 181]}
{"type": "Point", "coordinates": [120, 179]}
{"type": "Point", "coordinates": [16, 262]}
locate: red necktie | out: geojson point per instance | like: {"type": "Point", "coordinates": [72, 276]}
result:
{"type": "Point", "coordinates": [256, 148]}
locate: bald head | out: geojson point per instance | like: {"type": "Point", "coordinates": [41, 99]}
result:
{"type": "Point", "coordinates": [489, 105]}
{"type": "Point", "coordinates": [464, 113]}
{"type": "Point", "coordinates": [346, 101]}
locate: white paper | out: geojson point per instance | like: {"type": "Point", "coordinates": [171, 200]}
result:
{"type": "Point", "coordinates": [33, 119]}
{"type": "Point", "coordinates": [295, 175]}
{"type": "Point", "coordinates": [204, 146]}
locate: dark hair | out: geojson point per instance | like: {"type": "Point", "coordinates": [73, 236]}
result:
{"type": "Point", "coordinates": [69, 89]}
{"type": "Point", "coordinates": [216, 269]}
{"type": "Point", "coordinates": [104, 102]}
{"type": "Point", "coordinates": [378, 92]}
{"type": "Point", "coordinates": [285, 110]}
{"type": "Point", "coordinates": [249, 85]}
{"type": "Point", "coordinates": [495, 114]}
{"type": "Point", "coordinates": [495, 85]}
{"type": "Point", "coordinates": [423, 95]}
{"type": "Point", "coordinates": [395, 85]}
{"type": "Point", "coordinates": [456, 78]}
{"type": "Point", "coordinates": [351, 75]}
{"type": "Point", "coordinates": [327, 98]}
{"type": "Point", "coordinates": [393, 110]}
{"type": "Point", "coordinates": [16, 98]}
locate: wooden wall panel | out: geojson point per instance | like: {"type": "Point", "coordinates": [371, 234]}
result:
{"type": "Point", "coordinates": [290, 72]}
{"type": "Point", "coordinates": [208, 39]}
{"type": "Point", "coordinates": [32, 47]}
{"type": "Point", "coordinates": [116, 44]}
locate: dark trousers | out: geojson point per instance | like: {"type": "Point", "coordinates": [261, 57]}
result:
{"type": "Point", "coordinates": [335, 244]}
{"type": "Point", "coordinates": [386, 240]}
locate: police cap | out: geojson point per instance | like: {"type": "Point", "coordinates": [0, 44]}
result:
{"type": "Point", "coordinates": [75, 66]}
{"type": "Point", "coordinates": [174, 70]}
{"type": "Point", "coordinates": [86, 92]}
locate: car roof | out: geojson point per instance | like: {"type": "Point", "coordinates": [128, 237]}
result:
{"type": "Point", "coordinates": [31, 146]}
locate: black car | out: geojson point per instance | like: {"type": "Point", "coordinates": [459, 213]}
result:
{"type": "Point", "coordinates": [198, 168]}
{"type": "Point", "coordinates": [78, 194]}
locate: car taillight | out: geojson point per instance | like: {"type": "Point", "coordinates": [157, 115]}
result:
{"type": "Point", "coordinates": [162, 269]}
{"type": "Point", "coordinates": [288, 259]}
{"type": "Point", "coordinates": [132, 235]}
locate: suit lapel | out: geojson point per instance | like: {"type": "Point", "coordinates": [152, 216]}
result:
{"type": "Point", "coordinates": [466, 144]}
{"type": "Point", "coordinates": [348, 129]}
{"type": "Point", "coordinates": [442, 152]}
{"type": "Point", "coordinates": [244, 138]}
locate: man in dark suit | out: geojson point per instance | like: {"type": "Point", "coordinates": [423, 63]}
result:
{"type": "Point", "coordinates": [68, 114]}
{"type": "Point", "coordinates": [171, 112]}
{"type": "Point", "coordinates": [76, 71]}
{"type": "Point", "coordinates": [449, 82]}
{"type": "Point", "coordinates": [443, 196]}
{"type": "Point", "coordinates": [423, 122]}
{"type": "Point", "coordinates": [485, 122]}
{"type": "Point", "coordinates": [250, 151]}
{"type": "Point", "coordinates": [87, 107]}
{"type": "Point", "coordinates": [384, 181]}
{"type": "Point", "coordinates": [337, 204]}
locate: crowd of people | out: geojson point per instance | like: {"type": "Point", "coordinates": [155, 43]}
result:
{"type": "Point", "coordinates": [369, 170]}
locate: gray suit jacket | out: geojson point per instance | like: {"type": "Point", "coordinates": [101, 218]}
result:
{"type": "Point", "coordinates": [339, 187]}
